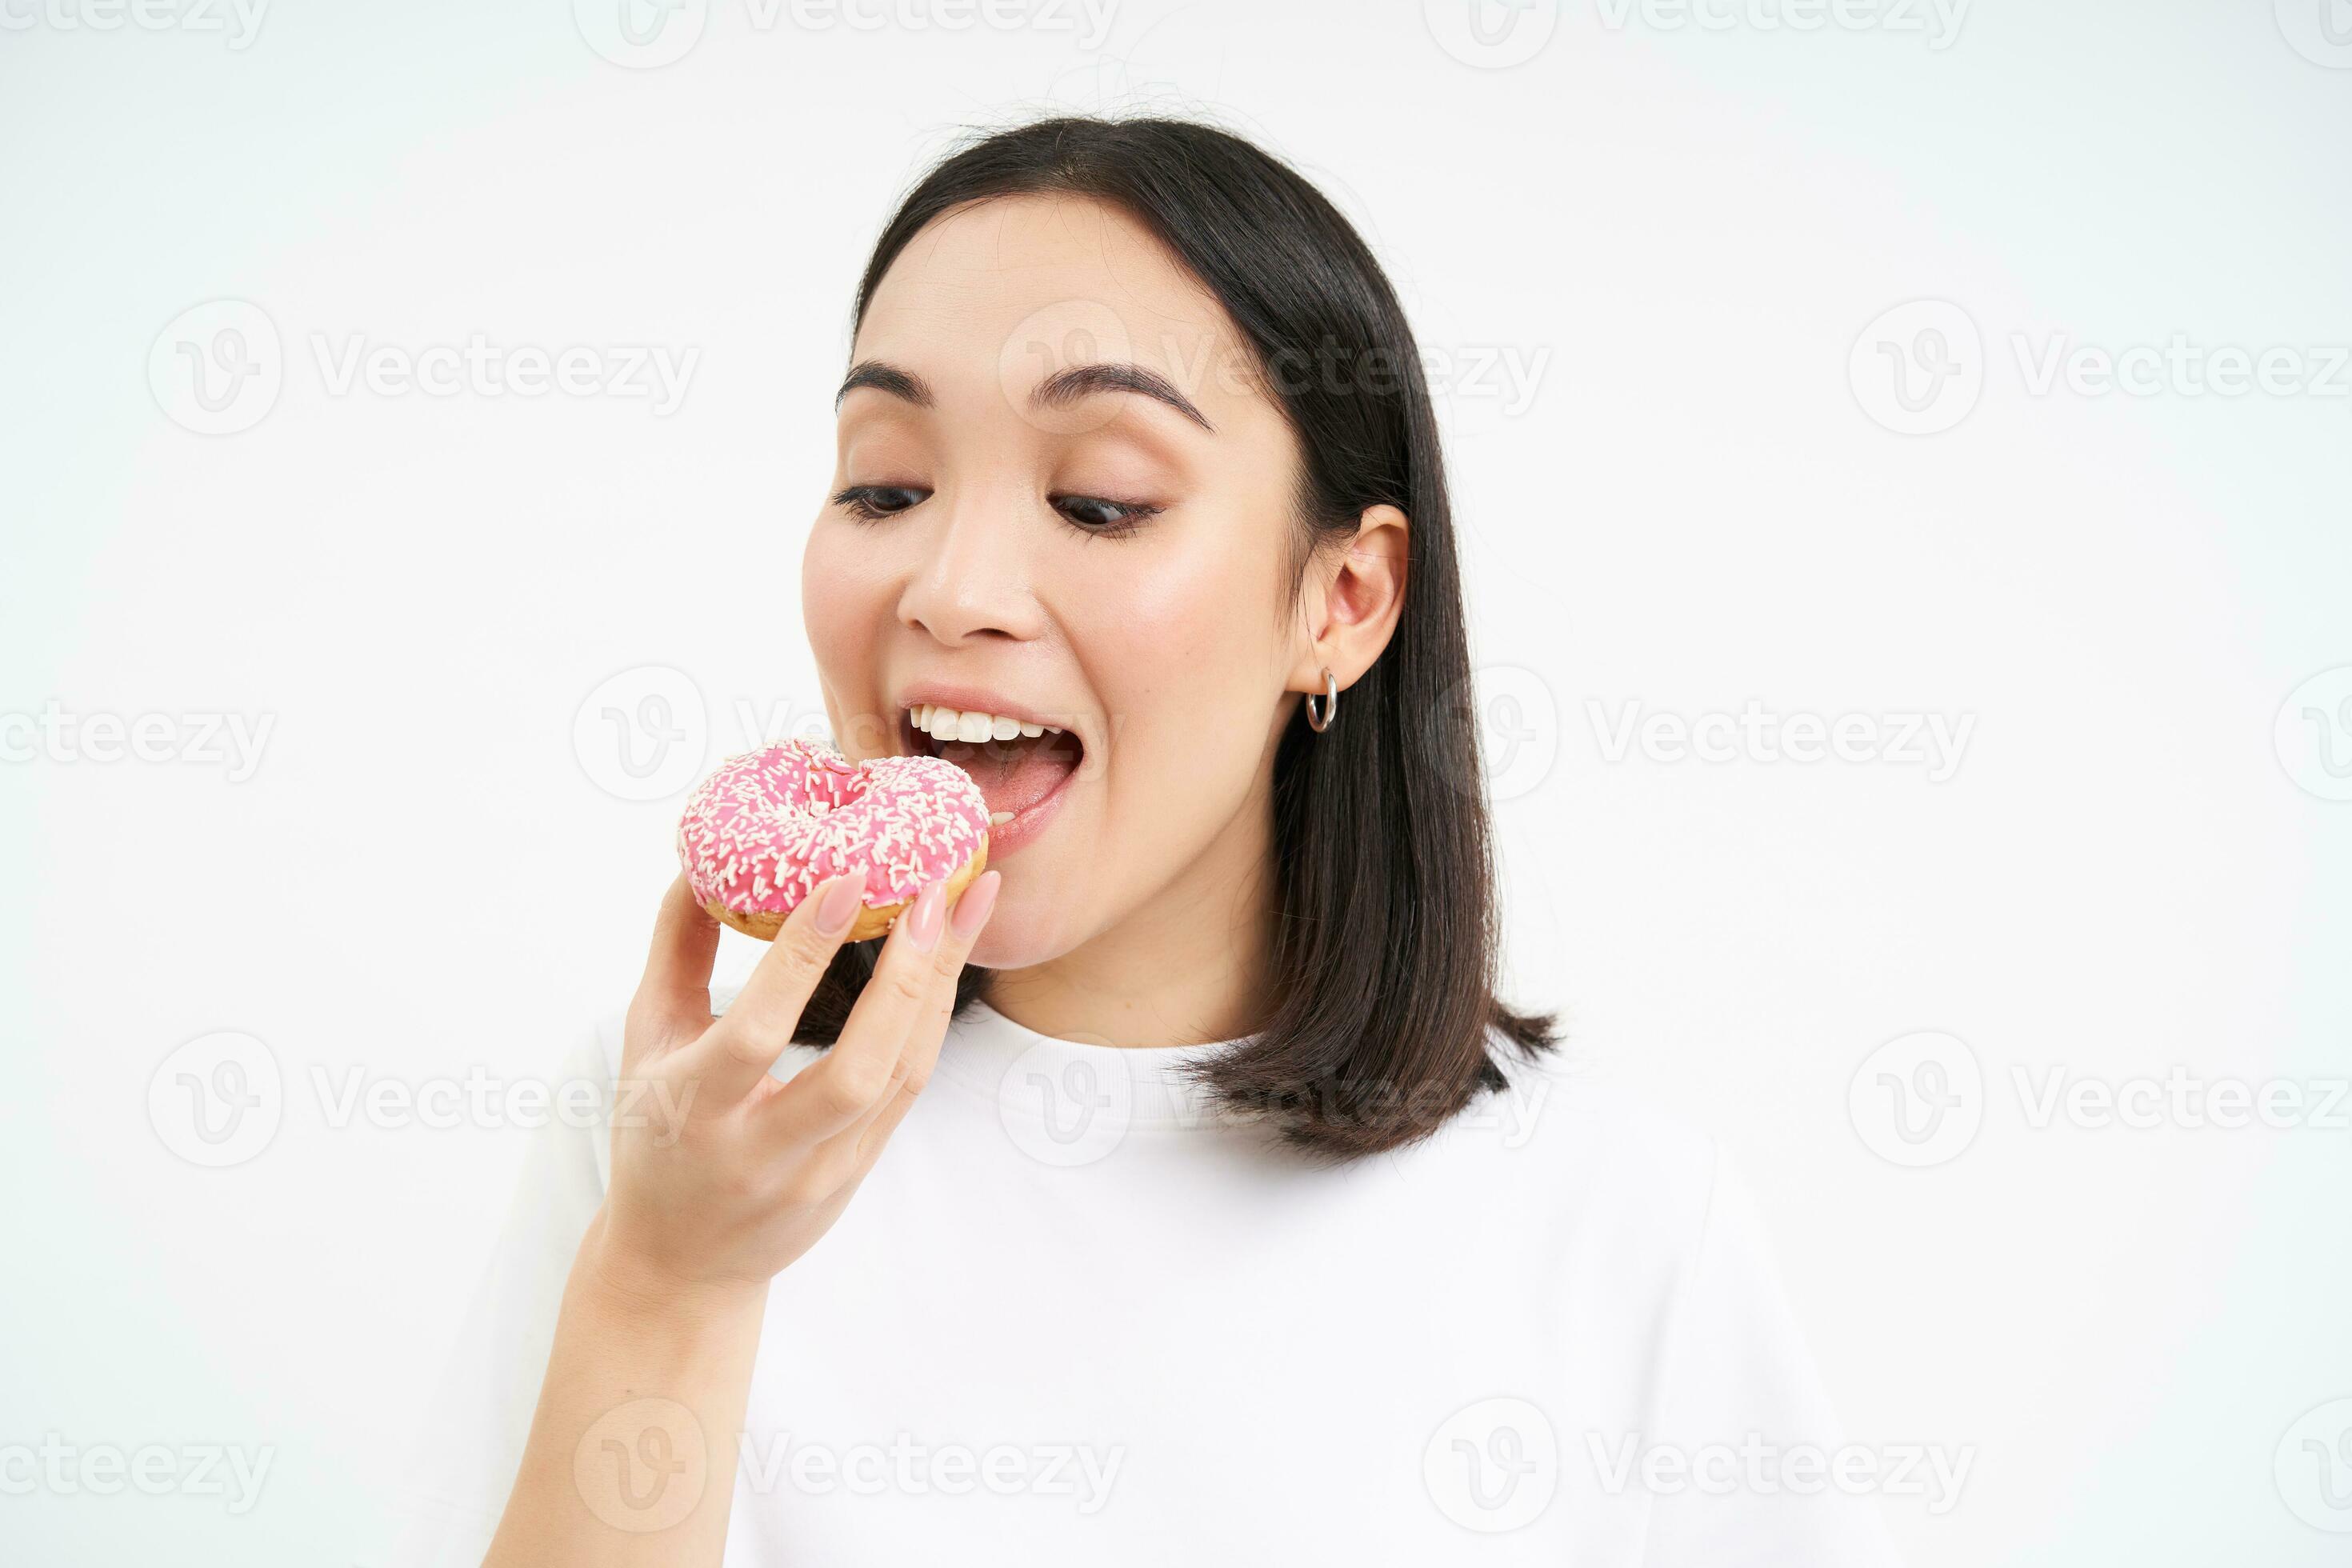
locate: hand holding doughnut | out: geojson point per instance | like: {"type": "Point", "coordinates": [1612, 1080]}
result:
{"type": "Point", "coordinates": [738, 1172]}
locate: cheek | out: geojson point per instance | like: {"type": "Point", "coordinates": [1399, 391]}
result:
{"type": "Point", "coordinates": [1181, 649]}
{"type": "Point", "coordinates": [841, 595]}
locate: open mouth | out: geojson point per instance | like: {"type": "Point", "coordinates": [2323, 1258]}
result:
{"type": "Point", "coordinates": [1017, 771]}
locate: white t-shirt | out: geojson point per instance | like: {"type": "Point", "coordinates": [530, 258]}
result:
{"type": "Point", "coordinates": [1075, 1318]}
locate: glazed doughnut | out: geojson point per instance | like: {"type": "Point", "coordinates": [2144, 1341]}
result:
{"type": "Point", "coordinates": [770, 825]}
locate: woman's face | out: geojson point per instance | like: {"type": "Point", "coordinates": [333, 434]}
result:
{"type": "Point", "coordinates": [1061, 498]}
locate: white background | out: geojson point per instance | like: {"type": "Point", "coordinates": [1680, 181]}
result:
{"type": "Point", "coordinates": [1680, 233]}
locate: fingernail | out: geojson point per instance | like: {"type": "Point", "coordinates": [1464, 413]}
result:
{"type": "Point", "coordinates": [839, 905]}
{"type": "Point", "coordinates": [977, 900]}
{"type": "Point", "coordinates": [923, 924]}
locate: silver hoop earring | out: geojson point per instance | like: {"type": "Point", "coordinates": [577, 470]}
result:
{"type": "Point", "coordinates": [1320, 722]}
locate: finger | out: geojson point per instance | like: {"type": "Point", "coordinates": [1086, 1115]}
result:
{"type": "Point", "coordinates": [736, 1052]}
{"type": "Point", "coordinates": [913, 982]}
{"type": "Point", "coordinates": [862, 1140]}
{"type": "Point", "coordinates": [673, 999]}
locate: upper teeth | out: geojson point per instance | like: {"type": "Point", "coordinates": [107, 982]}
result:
{"type": "Point", "coordinates": [944, 723]}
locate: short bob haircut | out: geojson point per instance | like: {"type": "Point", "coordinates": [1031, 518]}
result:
{"type": "Point", "coordinates": [1385, 957]}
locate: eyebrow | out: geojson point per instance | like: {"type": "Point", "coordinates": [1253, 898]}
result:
{"type": "Point", "coordinates": [1058, 390]}
{"type": "Point", "coordinates": [886, 378]}
{"type": "Point", "coordinates": [1065, 387]}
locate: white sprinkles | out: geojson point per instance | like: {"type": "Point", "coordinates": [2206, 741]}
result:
{"type": "Point", "coordinates": [769, 824]}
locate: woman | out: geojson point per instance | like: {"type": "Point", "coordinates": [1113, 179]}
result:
{"type": "Point", "coordinates": [1184, 1193]}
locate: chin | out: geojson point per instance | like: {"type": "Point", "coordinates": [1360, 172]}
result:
{"type": "Point", "coordinates": [1023, 933]}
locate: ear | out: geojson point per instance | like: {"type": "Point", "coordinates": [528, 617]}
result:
{"type": "Point", "coordinates": [1354, 594]}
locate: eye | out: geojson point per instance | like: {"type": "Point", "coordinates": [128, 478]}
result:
{"type": "Point", "coordinates": [869, 503]}
{"type": "Point", "coordinates": [1096, 514]}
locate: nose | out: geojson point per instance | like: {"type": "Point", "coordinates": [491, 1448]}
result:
{"type": "Point", "coordinates": [972, 580]}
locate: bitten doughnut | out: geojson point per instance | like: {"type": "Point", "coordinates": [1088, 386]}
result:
{"type": "Point", "coordinates": [770, 825]}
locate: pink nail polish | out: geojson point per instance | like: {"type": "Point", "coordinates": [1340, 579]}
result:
{"type": "Point", "coordinates": [840, 905]}
{"type": "Point", "coordinates": [977, 900]}
{"type": "Point", "coordinates": [924, 921]}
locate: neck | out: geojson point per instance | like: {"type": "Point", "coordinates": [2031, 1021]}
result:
{"type": "Point", "coordinates": [1186, 967]}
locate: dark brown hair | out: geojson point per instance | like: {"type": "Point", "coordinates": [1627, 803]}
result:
{"type": "Point", "coordinates": [1386, 948]}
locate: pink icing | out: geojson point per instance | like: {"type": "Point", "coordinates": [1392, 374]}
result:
{"type": "Point", "coordinates": [772, 824]}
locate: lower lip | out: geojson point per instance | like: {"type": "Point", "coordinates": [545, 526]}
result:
{"type": "Point", "coordinates": [1003, 838]}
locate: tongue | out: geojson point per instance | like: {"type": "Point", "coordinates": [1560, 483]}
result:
{"type": "Point", "coordinates": [1014, 775]}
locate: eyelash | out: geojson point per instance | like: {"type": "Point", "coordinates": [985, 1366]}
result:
{"type": "Point", "coordinates": [858, 500]}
